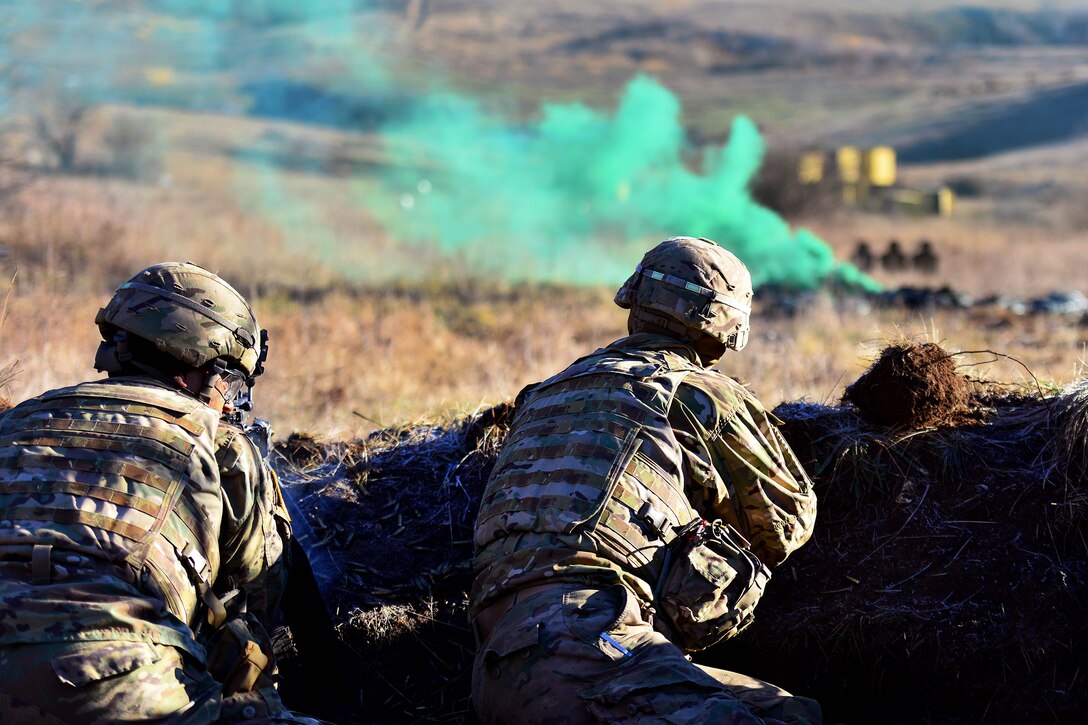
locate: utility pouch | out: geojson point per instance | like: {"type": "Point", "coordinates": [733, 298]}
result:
{"type": "Point", "coordinates": [710, 585]}
{"type": "Point", "coordinates": [240, 655]}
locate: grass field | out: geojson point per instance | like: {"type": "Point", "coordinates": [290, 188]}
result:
{"type": "Point", "coordinates": [348, 358]}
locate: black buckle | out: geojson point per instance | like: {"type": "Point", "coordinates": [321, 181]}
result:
{"type": "Point", "coordinates": [263, 356]}
{"type": "Point", "coordinates": [654, 518]}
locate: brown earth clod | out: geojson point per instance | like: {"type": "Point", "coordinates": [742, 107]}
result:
{"type": "Point", "coordinates": [911, 386]}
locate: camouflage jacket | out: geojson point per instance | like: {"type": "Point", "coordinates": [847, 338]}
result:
{"type": "Point", "coordinates": [629, 442]}
{"type": "Point", "coordinates": [118, 499]}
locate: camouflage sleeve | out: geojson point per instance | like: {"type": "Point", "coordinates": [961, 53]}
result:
{"type": "Point", "coordinates": [255, 525]}
{"type": "Point", "coordinates": [739, 467]}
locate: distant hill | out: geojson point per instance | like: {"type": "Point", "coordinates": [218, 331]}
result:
{"type": "Point", "coordinates": [1046, 117]}
{"type": "Point", "coordinates": [939, 80]}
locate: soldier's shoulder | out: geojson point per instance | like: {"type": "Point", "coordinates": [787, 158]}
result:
{"type": "Point", "coordinates": [137, 389]}
{"type": "Point", "coordinates": [235, 450]}
{"type": "Point", "coordinates": [713, 392]}
{"type": "Point", "coordinates": [229, 437]}
{"type": "Point", "coordinates": [105, 388]}
{"type": "Point", "coordinates": [144, 386]}
{"type": "Point", "coordinates": [719, 382]}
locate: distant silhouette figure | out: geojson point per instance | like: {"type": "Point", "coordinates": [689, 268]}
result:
{"type": "Point", "coordinates": [893, 260]}
{"type": "Point", "coordinates": [863, 257]}
{"type": "Point", "coordinates": [925, 260]}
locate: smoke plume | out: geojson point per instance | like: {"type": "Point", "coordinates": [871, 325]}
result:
{"type": "Point", "coordinates": [571, 193]}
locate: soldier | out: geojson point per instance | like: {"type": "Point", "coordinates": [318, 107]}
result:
{"type": "Point", "coordinates": [925, 258]}
{"type": "Point", "coordinates": [632, 515]}
{"type": "Point", "coordinates": [863, 256]}
{"type": "Point", "coordinates": [141, 535]}
{"type": "Point", "coordinates": [893, 260]}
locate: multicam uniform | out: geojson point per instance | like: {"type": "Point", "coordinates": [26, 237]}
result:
{"type": "Point", "coordinates": [124, 504]}
{"type": "Point", "coordinates": [605, 463]}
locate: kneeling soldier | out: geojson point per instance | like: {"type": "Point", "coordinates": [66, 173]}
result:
{"type": "Point", "coordinates": [632, 515]}
{"type": "Point", "coordinates": [141, 535]}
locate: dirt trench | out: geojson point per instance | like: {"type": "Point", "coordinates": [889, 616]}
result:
{"type": "Point", "coordinates": [945, 583]}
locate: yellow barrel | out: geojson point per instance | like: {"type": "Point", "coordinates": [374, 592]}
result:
{"type": "Point", "coordinates": [849, 162]}
{"type": "Point", "coordinates": [810, 167]}
{"type": "Point", "coordinates": [880, 166]}
{"type": "Point", "coordinates": [946, 201]}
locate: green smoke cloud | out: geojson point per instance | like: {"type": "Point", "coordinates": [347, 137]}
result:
{"type": "Point", "coordinates": [575, 194]}
{"type": "Point", "coordinates": [578, 195]}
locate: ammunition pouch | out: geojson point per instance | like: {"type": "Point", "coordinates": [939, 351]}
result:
{"type": "Point", "coordinates": [240, 655]}
{"type": "Point", "coordinates": [709, 586]}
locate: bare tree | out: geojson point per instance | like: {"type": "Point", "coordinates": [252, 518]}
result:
{"type": "Point", "coordinates": [59, 129]}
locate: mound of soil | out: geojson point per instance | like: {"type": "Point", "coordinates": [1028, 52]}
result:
{"type": "Point", "coordinates": [387, 523]}
{"type": "Point", "coordinates": [911, 386]}
{"type": "Point", "coordinates": [945, 583]}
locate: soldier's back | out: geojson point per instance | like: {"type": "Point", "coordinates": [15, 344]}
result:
{"type": "Point", "coordinates": [106, 483]}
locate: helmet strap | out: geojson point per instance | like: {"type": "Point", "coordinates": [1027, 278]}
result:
{"type": "Point", "coordinates": [642, 319]}
{"type": "Point", "coordinates": [216, 370]}
{"type": "Point", "coordinates": [114, 355]}
{"type": "Point", "coordinates": [106, 359]}
{"type": "Point", "coordinates": [738, 339]}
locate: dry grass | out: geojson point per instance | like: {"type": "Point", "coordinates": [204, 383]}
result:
{"type": "Point", "coordinates": [347, 364]}
{"type": "Point", "coordinates": [347, 359]}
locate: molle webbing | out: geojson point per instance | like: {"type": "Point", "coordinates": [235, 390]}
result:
{"type": "Point", "coordinates": [561, 492]}
{"type": "Point", "coordinates": [101, 460]}
{"type": "Point", "coordinates": [134, 532]}
{"type": "Point", "coordinates": [144, 450]}
{"type": "Point", "coordinates": [70, 516]}
{"type": "Point", "coordinates": [659, 490]}
{"type": "Point", "coordinates": [99, 493]}
{"type": "Point", "coordinates": [551, 427]}
{"type": "Point", "coordinates": [86, 406]}
{"type": "Point", "coordinates": [184, 511]}
{"type": "Point", "coordinates": [48, 428]}
{"type": "Point", "coordinates": [107, 394]}
{"type": "Point", "coordinates": [646, 522]}
{"type": "Point", "coordinates": [578, 406]}
{"type": "Point", "coordinates": [573, 459]}
{"type": "Point", "coordinates": [180, 603]}
{"type": "Point", "coordinates": [131, 471]}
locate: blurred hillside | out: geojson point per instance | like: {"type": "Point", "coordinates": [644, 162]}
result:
{"type": "Point", "coordinates": [321, 80]}
{"type": "Point", "coordinates": [810, 71]}
{"type": "Point", "coordinates": [361, 167]}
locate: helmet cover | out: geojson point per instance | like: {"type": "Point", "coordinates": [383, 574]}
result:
{"type": "Point", "coordinates": [188, 313]}
{"type": "Point", "coordinates": [691, 286]}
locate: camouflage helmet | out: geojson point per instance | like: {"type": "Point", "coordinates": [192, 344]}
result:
{"type": "Point", "coordinates": [188, 313]}
{"type": "Point", "coordinates": [691, 287]}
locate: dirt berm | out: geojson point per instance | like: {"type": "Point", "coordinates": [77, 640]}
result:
{"type": "Point", "coordinates": [945, 581]}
